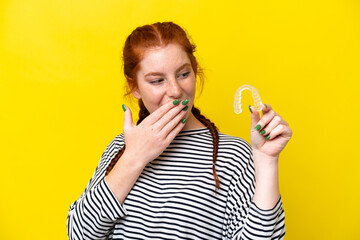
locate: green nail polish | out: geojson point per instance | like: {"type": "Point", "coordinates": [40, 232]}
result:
{"type": "Point", "coordinates": [265, 105]}
{"type": "Point", "coordinates": [183, 121]}
{"type": "Point", "coordinates": [185, 102]}
{"type": "Point", "coordinates": [250, 108]}
{"type": "Point", "coordinates": [262, 132]}
{"type": "Point", "coordinates": [176, 102]}
{"type": "Point", "coordinates": [257, 128]}
{"type": "Point", "coordinates": [185, 108]}
{"type": "Point", "coordinates": [268, 137]}
{"type": "Point", "coordinates": [123, 107]}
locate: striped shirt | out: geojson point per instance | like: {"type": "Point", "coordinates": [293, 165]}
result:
{"type": "Point", "coordinates": [175, 198]}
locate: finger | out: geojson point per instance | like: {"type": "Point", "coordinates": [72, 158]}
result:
{"type": "Point", "coordinates": [273, 124]}
{"type": "Point", "coordinates": [265, 119]}
{"type": "Point", "coordinates": [255, 117]}
{"type": "Point", "coordinates": [128, 120]}
{"type": "Point", "coordinates": [266, 108]}
{"type": "Point", "coordinates": [279, 130]}
{"type": "Point", "coordinates": [169, 125]}
{"type": "Point", "coordinates": [169, 116]}
{"type": "Point", "coordinates": [161, 111]}
{"type": "Point", "coordinates": [174, 132]}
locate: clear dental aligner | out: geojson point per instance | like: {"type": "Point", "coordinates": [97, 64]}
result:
{"type": "Point", "coordinates": [254, 93]}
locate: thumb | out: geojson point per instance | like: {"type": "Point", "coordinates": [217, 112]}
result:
{"type": "Point", "coordinates": [128, 120]}
{"type": "Point", "coordinates": [255, 117]}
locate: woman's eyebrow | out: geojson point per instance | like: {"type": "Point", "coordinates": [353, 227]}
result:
{"type": "Point", "coordinates": [183, 66]}
{"type": "Point", "coordinates": [153, 74]}
{"type": "Point", "coordinates": [159, 73]}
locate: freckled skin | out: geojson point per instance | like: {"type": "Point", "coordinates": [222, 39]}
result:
{"type": "Point", "coordinates": [174, 79]}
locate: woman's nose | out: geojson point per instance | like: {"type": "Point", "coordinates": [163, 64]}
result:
{"type": "Point", "coordinates": [174, 89]}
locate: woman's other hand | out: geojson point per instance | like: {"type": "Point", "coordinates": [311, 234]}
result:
{"type": "Point", "coordinates": [270, 134]}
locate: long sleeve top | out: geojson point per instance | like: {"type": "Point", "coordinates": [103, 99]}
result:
{"type": "Point", "coordinates": [174, 196]}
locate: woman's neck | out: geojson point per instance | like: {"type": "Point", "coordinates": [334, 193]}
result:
{"type": "Point", "coordinates": [193, 123]}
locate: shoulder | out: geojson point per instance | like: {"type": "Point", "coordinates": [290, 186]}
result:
{"type": "Point", "coordinates": [113, 148]}
{"type": "Point", "coordinates": [115, 144]}
{"type": "Point", "coordinates": [234, 151]}
{"type": "Point", "coordinates": [234, 143]}
{"type": "Point", "coordinates": [117, 141]}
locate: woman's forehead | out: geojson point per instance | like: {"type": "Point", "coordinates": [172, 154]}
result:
{"type": "Point", "coordinates": [168, 58]}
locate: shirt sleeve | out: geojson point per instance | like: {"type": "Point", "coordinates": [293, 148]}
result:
{"type": "Point", "coordinates": [245, 220]}
{"type": "Point", "coordinates": [94, 214]}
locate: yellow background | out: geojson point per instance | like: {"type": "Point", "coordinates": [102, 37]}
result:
{"type": "Point", "coordinates": [61, 90]}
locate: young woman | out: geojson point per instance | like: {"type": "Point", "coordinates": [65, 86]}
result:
{"type": "Point", "coordinates": [173, 175]}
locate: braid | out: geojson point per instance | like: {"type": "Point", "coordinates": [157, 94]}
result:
{"type": "Point", "coordinates": [215, 136]}
{"type": "Point", "coordinates": [143, 113]}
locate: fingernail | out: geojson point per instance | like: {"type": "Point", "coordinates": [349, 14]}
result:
{"type": "Point", "coordinates": [183, 121]}
{"type": "Point", "coordinates": [176, 102]}
{"type": "Point", "coordinates": [185, 102]}
{"type": "Point", "coordinates": [124, 108]}
{"type": "Point", "coordinates": [268, 137]}
{"type": "Point", "coordinates": [262, 132]}
{"type": "Point", "coordinates": [265, 105]}
{"type": "Point", "coordinates": [185, 108]}
{"type": "Point", "coordinates": [250, 108]}
{"type": "Point", "coordinates": [257, 128]}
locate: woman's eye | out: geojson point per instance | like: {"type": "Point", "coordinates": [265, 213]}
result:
{"type": "Point", "coordinates": [183, 75]}
{"type": "Point", "coordinates": [157, 81]}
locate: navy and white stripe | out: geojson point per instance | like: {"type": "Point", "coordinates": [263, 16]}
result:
{"type": "Point", "coordinates": [174, 196]}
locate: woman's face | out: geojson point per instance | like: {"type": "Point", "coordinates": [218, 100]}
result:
{"type": "Point", "coordinates": [165, 74]}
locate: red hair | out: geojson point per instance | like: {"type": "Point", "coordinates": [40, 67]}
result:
{"type": "Point", "coordinates": [152, 36]}
{"type": "Point", "coordinates": [160, 35]}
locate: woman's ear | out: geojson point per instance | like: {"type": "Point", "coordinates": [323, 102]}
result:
{"type": "Point", "coordinates": [133, 88]}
